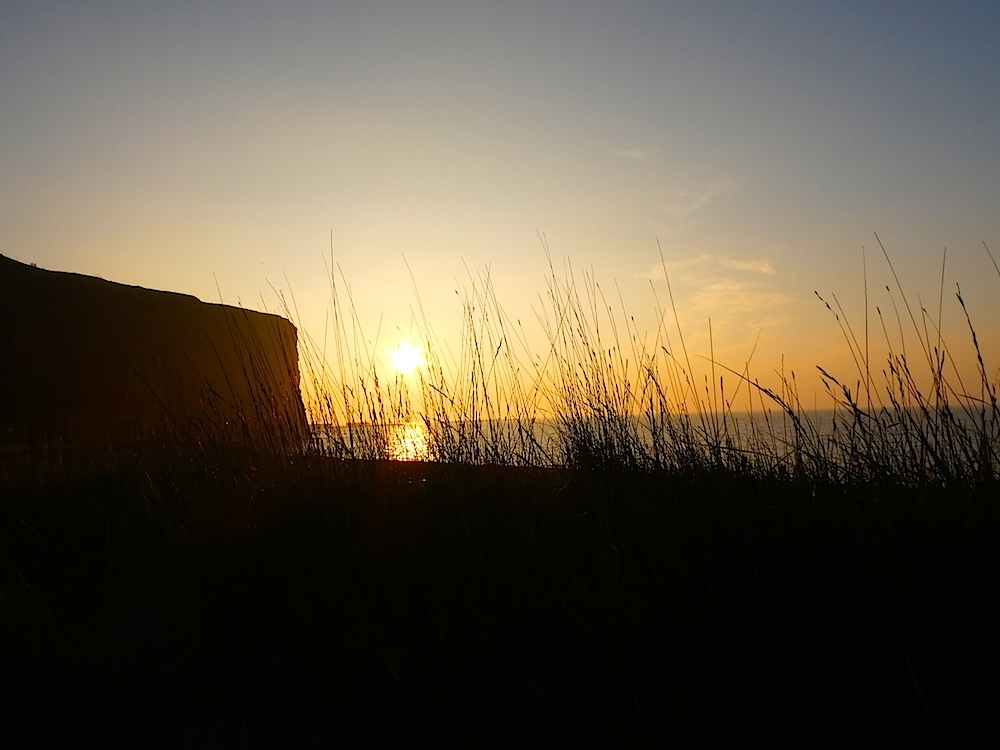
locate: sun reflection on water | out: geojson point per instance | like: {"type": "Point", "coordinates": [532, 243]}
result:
{"type": "Point", "coordinates": [409, 442]}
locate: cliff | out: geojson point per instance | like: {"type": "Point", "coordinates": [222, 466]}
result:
{"type": "Point", "coordinates": [83, 360]}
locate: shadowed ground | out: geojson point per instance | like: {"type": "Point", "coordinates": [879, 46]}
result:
{"type": "Point", "coordinates": [319, 603]}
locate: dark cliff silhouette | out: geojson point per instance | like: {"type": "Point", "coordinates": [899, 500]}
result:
{"type": "Point", "coordinates": [84, 360]}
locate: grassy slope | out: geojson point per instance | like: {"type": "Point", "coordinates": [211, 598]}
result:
{"type": "Point", "coordinates": [266, 603]}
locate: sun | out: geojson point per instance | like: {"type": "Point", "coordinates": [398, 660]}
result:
{"type": "Point", "coordinates": [407, 357]}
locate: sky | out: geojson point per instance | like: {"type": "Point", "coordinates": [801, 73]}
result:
{"type": "Point", "coordinates": [750, 152]}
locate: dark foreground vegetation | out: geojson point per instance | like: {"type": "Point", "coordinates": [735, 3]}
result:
{"type": "Point", "coordinates": [246, 602]}
{"type": "Point", "coordinates": [654, 580]}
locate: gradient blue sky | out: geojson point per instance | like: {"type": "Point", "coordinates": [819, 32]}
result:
{"type": "Point", "coordinates": [763, 144]}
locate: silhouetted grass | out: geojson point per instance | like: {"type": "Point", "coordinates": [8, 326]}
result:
{"type": "Point", "coordinates": [650, 571]}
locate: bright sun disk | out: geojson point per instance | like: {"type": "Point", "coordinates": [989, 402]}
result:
{"type": "Point", "coordinates": [407, 357]}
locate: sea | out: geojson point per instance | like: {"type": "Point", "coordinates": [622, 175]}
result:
{"type": "Point", "coordinates": [770, 436]}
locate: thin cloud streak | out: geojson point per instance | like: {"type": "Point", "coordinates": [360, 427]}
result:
{"type": "Point", "coordinates": [737, 298]}
{"type": "Point", "coordinates": [636, 154]}
{"type": "Point", "coordinates": [756, 265]}
{"type": "Point", "coordinates": [683, 203]}
{"type": "Point", "coordinates": [760, 266]}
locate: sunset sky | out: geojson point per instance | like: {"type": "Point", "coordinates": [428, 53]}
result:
{"type": "Point", "coordinates": [211, 147]}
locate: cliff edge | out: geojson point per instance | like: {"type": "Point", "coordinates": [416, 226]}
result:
{"type": "Point", "coordinates": [85, 360]}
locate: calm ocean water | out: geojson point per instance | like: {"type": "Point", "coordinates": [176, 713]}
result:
{"type": "Point", "coordinates": [548, 443]}
{"type": "Point", "coordinates": [544, 442]}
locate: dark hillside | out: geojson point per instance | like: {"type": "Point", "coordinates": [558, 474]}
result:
{"type": "Point", "coordinates": [360, 604]}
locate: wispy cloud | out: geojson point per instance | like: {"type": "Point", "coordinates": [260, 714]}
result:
{"type": "Point", "coordinates": [683, 203]}
{"type": "Point", "coordinates": [637, 154]}
{"type": "Point", "coordinates": [673, 266]}
{"type": "Point", "coordinates": [760, 266]}
{"type": "Point", "coordinates": [738, 311]}
{"type": "Point", "coordinates": [740, 297]}
{"type": "Point", "coordinates": [705, 261]}
{"type": "Point", "coordinates": [672, 227]}
{"type": "Point", "coordinates": [732, 298]}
